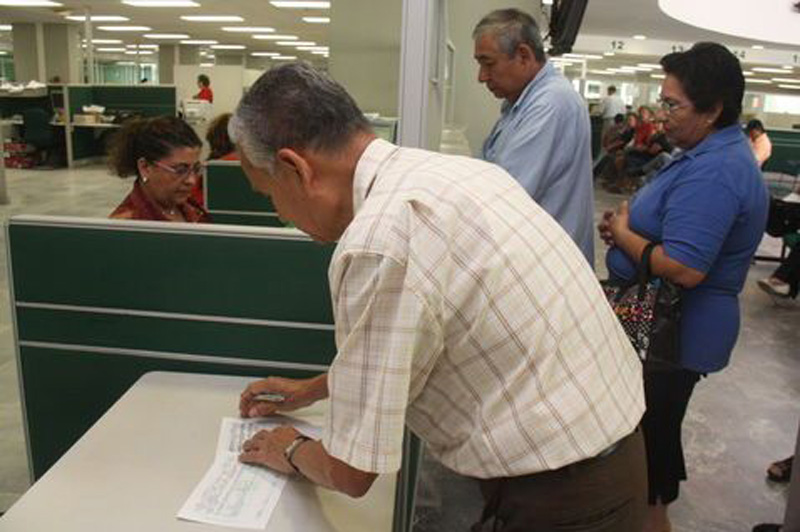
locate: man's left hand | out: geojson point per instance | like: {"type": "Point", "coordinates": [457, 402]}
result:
{"type": "Point", "coordinates": [266, 449]}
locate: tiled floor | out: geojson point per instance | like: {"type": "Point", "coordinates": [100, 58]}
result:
{"type": "Point", "coordinates": [738, 421]}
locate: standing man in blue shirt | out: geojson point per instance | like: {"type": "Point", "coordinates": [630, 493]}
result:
{"type": "Point", "coordinates": [543, 136]}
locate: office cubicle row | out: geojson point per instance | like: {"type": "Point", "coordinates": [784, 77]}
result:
{"type": "Point", "coordinates": [85, 141]}
{"type": "Point", "coordinates": [132, 297]}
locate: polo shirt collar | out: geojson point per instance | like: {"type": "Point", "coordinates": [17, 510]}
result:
{"type": "Point", "coordinates": [722, 137]}
{"type": "Point", "coordinates": [369, 164]}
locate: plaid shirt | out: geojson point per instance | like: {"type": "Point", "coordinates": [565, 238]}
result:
{"type": "Point", "coordinates": [463, 310]}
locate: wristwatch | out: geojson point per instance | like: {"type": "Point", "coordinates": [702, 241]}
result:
{"type": "Point", "coordinates": [288, 453]}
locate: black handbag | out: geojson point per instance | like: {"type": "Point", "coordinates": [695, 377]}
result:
{"type": "Point", "coordinates": [649, 309]}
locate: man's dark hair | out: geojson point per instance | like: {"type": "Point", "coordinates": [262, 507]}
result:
{"type": "Point", "coordinates": [512, 27]}
{"type": "Point", "coordinates": [203, 80]}
{"type": "Point", "coordinates": [619, 118]}
{"type": "Point", "coordinates": [709, 74]}
{"type": "Point", "coordinates": [755, 125]}
{"type": "Point", "coordinates": [611, 89]}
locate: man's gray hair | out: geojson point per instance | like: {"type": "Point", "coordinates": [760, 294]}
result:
{"type": "Point", "coordinates": [294, 106]}
{"type": "Point", "coordinates": [512, 27]}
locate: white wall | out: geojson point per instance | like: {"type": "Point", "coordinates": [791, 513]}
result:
{"type": "Point", "coordinates": [365, 56]}
{"type": "Point", "coordinates": [227, 82]}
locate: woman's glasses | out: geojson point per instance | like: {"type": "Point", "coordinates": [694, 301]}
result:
{"type": "Point", "coordinates": [182, 171]}
{"type": "Point", "coordinates": [670, 106]}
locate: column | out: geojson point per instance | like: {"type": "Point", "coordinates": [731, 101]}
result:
{"type": "Point", "coordinates": [167, 59]}
{"type": "Point", "coordinates": [61, 52]}
{"type": "Point", "coordinates": [28, 55]}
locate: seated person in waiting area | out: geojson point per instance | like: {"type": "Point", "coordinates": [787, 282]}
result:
{"type": "Point", "coordinates": [164, 155]}
{"type": "Point", "coordinates": [759, 141]}
{"type": "Point", "coordinates": [462, 310]}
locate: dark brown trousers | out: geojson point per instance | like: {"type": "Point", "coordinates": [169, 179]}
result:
{"type": "Point", "coordinates": [607, 493]}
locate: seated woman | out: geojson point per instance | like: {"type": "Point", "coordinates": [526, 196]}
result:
{"type": "Point", "coordinates": [164, 155]}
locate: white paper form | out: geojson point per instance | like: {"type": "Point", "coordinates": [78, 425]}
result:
{"type": "Point", "coordinates": [235, 494]}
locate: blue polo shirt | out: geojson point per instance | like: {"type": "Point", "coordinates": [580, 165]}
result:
{"type": "Point", "coordinates": [543, 140]}
{"type": "Point", "coordinates": [708, 208]}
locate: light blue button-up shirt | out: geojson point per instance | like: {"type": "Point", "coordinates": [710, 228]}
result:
{"type": "Point", "coordinates": [544, 141]}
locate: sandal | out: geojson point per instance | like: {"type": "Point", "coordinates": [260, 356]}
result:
{"type": "Point", "coordinates": [780, 471]}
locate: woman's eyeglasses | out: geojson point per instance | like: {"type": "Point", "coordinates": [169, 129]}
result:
{"type": "Point", "coordinates": [182, 171]}
{"type": "Point", "coordinates": [670, 106]}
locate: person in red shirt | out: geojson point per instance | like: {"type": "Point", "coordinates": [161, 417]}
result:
{"type": "Point", "coordinates": [204, 84]}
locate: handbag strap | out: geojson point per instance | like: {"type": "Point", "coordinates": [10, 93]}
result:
{"type": "Point", "coordinates": [643, 271]}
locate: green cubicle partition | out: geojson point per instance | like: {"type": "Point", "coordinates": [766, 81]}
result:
{"type": "Point", "coordinates": [231, 200]}
{"type": "Point", "coordinates": [785, 156]}
{"type": "Point", "coordinates": [97, 303]}
{"type": "Point", "coordinates": [139, 100]}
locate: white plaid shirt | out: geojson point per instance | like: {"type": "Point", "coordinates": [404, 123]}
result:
{"type": "Point", "coordinates": [463, 310]}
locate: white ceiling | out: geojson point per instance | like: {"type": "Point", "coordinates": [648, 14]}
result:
{"type": "Point", "coordinates": [621, 18]}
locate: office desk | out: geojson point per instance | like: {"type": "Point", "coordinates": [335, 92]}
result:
{"type": "Point", "coordinates": [137, 465]}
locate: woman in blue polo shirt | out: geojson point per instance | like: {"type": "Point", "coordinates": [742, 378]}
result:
{"type": "Point", "coordinates": [707, 210]}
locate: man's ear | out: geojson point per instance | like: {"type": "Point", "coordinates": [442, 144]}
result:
{"type": "Point", "coordinates": [525, 53]}
{"type": "Point", "coordinates": [296, 166]}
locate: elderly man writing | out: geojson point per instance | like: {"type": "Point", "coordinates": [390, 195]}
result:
{"type": "Point", "coordinates": [462, 310]}
{"type": "Point", "coordinates": [543, 136]}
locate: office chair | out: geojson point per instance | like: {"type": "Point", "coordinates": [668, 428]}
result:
{"type": "Point", "coordinates": [39, 133]}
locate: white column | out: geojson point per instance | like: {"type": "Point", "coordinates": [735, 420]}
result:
{"type": "Point", "coordinates": [87, 30]}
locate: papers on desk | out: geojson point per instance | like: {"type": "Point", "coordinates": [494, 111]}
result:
{"type": "Point", "coordinates": [236, 494]}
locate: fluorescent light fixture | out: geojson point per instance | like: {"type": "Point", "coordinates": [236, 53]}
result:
{"type": "Point", "coordinates": [161, 3]}
{"type": "Point", "coordinates": [3, 52]}
{"type": "Point", "coordinates": [276, 37]}
{"type": "Point", "coordinates": [317, 20]}
{"type": "Point", "coordinates": [300, 4]}
{"type": "Point", "coordinates": [124, 28]}
{"type": "Point", "coordinates": [284, 58]}
{"type": "Point", "coordinates": [770, 70]}
{"type": "Point", "coordinates": [648, 65]}
{"type": "Point", "coordinates": [143, 46]}
{"type": "Point", "coordinates": [793, 87]}
{"type": "Point", "coordinates": [110, 50]}
{"type": "Point", "coordinates": [786, 80]}
{"type": "Point", "coordinates": [98, 18]}
{"type": "Point", "coordinates": [29, 3]}
{"type": "Point", "coordinates": [265, 54]}
{"type": "Point", "coordinates": [125, 63]}
{"type": "Point", "coordinates": [323, 54]}
{"type": "Point", "coordinates": [757, 47]}
{"type": "Point", "coordinates": [105, 41]}
{"type": "Point", "coordinates": [297, 43]}
{"type": "Point", "coordinates": [583, 56]}
{"type": "Point", "coordinates": [248, 29]}
{"type": "Point", "coordinates": [787, 67]}
{"type": "Point", "coordinates": [228, 46]}
{"type": "Point", "coordinates": [658, 76]}
{"type": "Point", "coordinates": [199, 41]}
{"type": "Point", "coordinates": [212, 18]}
{"type": "Point", "coordinates": [609, 54]}
{"type": "Point", "coordinates": [206, 65]}
{"type": "Point", "coordinates": [140, 52]}
{"type": "Point", "coordinates": [762, 81]}
{"type": "Point", "coordinates": [746, 73]}
{"type": "Point", "coordinates": [168, 36]}
{"type": "Point", "coordinates": [639, 37]}
{"type": "Point", "coordinates": [314, 48]}
{"type": "Point", "coordinates": [5, 27]}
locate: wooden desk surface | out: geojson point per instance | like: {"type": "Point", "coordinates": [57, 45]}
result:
{"type": "Point", "coordinates": [137, 465]}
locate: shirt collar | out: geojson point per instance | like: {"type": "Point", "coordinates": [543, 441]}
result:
{"type": "Point", "coordinates": [544, 72]}
{"type": "Point", "coordinates": [372, 159]}
{"type": "Point", "coordinates": [722, 137]}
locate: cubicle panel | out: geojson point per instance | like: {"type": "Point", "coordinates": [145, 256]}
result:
{"type": "Point", "coordinates": [98, 303]}
{"type": "Point", "coordinates": [197, 270]}
{"type": "Point", "coordinates": [230, 198]}
{"type": "Point", "coordinates": [785, 156]}
{"type": "Point", "coordinates": [66, 392]}
{"type": "Point", "coordinates": [146, 100]}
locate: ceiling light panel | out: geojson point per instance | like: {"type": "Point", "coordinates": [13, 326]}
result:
{"type": "Point", "coordinates": [212, 18]}
{"type": "Point", "coordinates": [140, 52]}
{"type": "Point", "coordinates": [98, 18]}
{"type": "Point", "coordinates": [300, 4]}
{"type": "Point", "coordinates": [770, 70]}
{"type": "Point", "coordinates": [110, 50]}
{"type": "Point", "coordinates": [270, 37]}
{"type": "Point", "coordinates": [30, 3]}
{"type": "Point", "coordinates": [105, 41]}
{"type": "Point", "coordinates": [125, 28]}
{"type": "Point", "coordinates": [5, 27]}
{"type": "Point", "coordinates": [265, 54]}
{"type": "Point", "coordinates": [317, 20]}
{"type": "Point", "coordinates": [228, 46]}
{"type": "Point", "coordinates": [297, 43]}
{"type": "Point", "coordinates": [161, 3]}
{"type": "Point", "coordinates": [248, 29]}
{"type": "Point", "coordinates": [786, 80]}
{"type": "Point", "coordinates": [166, 36]}
{"type": "Point", "coordinates": [793, 87]}
{"type": "Point", "coordinates": [285, 58]}
{"type": "Point", "coordinates": [199, 41]}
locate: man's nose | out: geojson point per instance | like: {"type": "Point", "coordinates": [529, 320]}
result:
{"type": "Point", "coordinates": [483, 76]}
